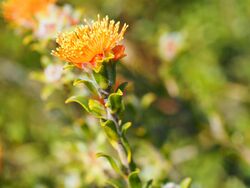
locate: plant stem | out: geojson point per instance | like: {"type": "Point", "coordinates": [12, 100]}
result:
{"type": "Point", "coordinates": [120, 146]}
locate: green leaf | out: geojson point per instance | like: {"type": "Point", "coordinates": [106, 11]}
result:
{"type": "Point", "coordinates": [96, 108]}
{"type": "Point", "coordinates": [83, 101]}
{"type": "Point", "coordinates": [149, 183]}
{"type": "Point", "coordinates": [102, 78]}
{"type": "Point", "coordinates": [186, 183]}
{"type": "Point", "coordinates": [68, 66]}
{"type": "Point", "coordinates": [106, 75]}
{"type": "Point", "coordinates": [134, 180]}
{"type": "Point", "coordinates": [111, 72]}
{"type": "Point", "coordinates": [122, 86]}
{"type": "Point", "coordinates": [112, 184]}
{"type": "Point", "coordinates": [87, 82]}
{"type": "Point", "coordinates": [111, 132]}
{"type": "Point", "coordinates": [125, 127]}
{"type": "Point", "coordinates": [111, 162]}
{"type": "Point", "coordinates": [125, 141]}
{"type": "Point", "coordinates": [77, 82]}
{"type": "Point", "coordinates": [115, 102]}
{"type": "Point", "coordinates": [127, 147]}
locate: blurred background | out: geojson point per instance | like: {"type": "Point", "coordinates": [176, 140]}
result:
{"type": "Point", "coordinates": [188, 68]}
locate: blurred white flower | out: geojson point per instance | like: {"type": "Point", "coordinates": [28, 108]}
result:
{"type": "Point", "coordinates": [72, 180]}
{"type": "Point", "coordinates": [53, 73]}
{"type": "Point", "coordinates": [171, 185]}
{"type": "Point", "coordinates": [170, 45]}
{"type": "Point", "coordinates": [54, 20]}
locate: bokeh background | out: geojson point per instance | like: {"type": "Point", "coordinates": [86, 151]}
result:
{"type": "Point", "coordinates": [188, 68]}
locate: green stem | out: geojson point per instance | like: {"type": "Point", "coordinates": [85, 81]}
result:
{"type": "Point", "coordinates": [120, 146]}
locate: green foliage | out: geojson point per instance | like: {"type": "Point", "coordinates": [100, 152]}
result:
{"type": "Point", "coordinates": [122, 86]}
{"type": "Point", "coordinates": [111, 162]}
{"type": "Point", "coordinates": [186, 183]}
{"type": "Point", "coordinates": [96, 108]}
{"type": "Point", "coordinates": [83, 101]}
{"type": "Point", "coordinates": [115, 102]}
{"type": "Point", "coordinates": [190, 113]}
{"type": "Point", "coordinates": [125, 127]}
{"type": "Point", "coordinates": [111, 131]}
{"type": "Point", "coordinates": [87, 82]}
{"type": "Point", "coordinates": [101, 78]}
{"type": "Point", "coordinates": [133, 179]}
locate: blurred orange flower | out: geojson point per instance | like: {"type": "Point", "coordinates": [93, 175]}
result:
{"type": "Point", "coordinates": [22, 12]}
{"type": "Point", "coordinates": [88, 46]}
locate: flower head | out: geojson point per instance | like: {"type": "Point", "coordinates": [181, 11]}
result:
{"type": "Point", "coordinates": [22, 12]}
{"type": "Point", "coordinates": [91, 44]}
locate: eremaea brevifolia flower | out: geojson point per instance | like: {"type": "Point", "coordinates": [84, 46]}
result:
{"type": "Point", "coordinates": [88, 46]}
{"type": "Point", "coordinates": [22, 12]}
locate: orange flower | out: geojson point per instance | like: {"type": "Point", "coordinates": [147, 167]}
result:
{"type": "Point", "coordinates": [22, 12]}
{"type": "Point", "coordinates": [92, 44]}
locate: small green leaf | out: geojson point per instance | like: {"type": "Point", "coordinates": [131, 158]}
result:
{"type": "Point", "coordinates": [125, 141]}
{"type": "Point", "coordinates": [77, 82]}
{"type": "Point", "coordinates": [149, 183]}
{"type": "Point", "coordinates": [87, 82]}
{"type": "Point", "coordinates": [101, 78]}
{"type": "Point", "coordinates": [111, 132]}
{"type": "Point", "coordinates": [96, 108]}
{"type": "Point", "coordinates": [127, 147]}
{"type": "Point", "coordinates": [111, 162]}
{"type": "Point", "coordinates": [186, 183]}
{"type": "Point", "coordinates": [80, 100]}
{"type": "Point", "coordinates": [134, 180]}
{"type": "Point", "coordinates": [115, 102]}
{"type": "Point", "coordinates": [111, 72]}
{"type": "Point", "coordinates": [125, 127]}
{"type": "Point", "coordinates": [122, 86]}
{"type": "Point", "coordinates": [68, 66]}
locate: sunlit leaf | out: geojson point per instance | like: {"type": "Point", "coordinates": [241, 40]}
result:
{"type": "Point", "coordinates": [127, 147]}
{"type": "Point", "coordinates": [134, 179]}
{"type": "Point", "coordinates": [186, 183]}
{"type": "Point", "coordinates": [111, 132]}
{"type": "Point", "coordinates": [101, 78]}
{"type": "Point", "coordinates": [68, 66]}
{"type": "Point", "coordinates": [122, 86]}
{"type": "Point", "coordinates": [111, 162]}
{"type": "Point", "coordinates": [87, 82]}
{"type": "Point", "coordinates": [96, 108]}
{"type": "Point", "coordinates": [83, 101]}
{"type": "Point", "coordinates": [115, 102]}
{"type": "Point", "coordinates": [125, 127]}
